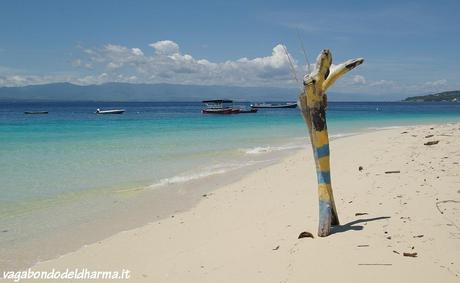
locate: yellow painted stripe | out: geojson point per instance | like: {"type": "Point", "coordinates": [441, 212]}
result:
{"type": "Point", "coordinates": [324, 163]}
{"type": "Point", "coordinates": [324, 192]}
{"type": "Point", "coordinates": [320, 138]}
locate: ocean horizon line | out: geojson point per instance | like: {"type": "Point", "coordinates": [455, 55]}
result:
{"type": "Point", "coordinates": [3, 100]}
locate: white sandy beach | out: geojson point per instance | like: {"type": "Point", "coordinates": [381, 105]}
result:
{"type": "Point", "coordinates": [247, 231]}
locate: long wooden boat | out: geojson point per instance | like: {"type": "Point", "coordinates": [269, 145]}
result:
{"type": "Point", "coordinates": [36, 112]}
{"type": "Point", "coordinates": [219, 106]}
{"type": "Point", "coordinates": [112, 111]}
{"type": "Point", "coordinates": [275, 105]}
{"type": "Point", "coordinates": [224, 106]}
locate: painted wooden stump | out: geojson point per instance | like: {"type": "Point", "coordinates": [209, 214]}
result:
{"type": "Point", "coordinates": [313, 104]}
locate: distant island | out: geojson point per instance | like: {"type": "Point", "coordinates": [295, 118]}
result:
{"type": "Point", "coordinates": [143, 92]}
{"type": "Point", "coordinates": [442, 96]}
{"type": "Point", "coordinates": [160, 92]}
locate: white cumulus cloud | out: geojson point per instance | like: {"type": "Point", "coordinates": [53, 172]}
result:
{"type": "Point", "coordinates": [165, 47]}
{"type": "Point", "coordinates": [168, 64]}
{"type": "Point", "coordinates": [164, 62]}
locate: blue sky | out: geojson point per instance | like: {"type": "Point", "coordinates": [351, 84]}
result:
{"type": "Point", "coordinates": [410, 47]}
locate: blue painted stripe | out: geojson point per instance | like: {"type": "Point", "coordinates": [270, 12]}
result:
{"type": "Point", "coordinates": [322, 151]}
{"type": "Point", "coordinates": [324, 177]}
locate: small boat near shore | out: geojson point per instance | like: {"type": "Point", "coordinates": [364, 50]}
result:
{"type": "Point", "coordinates": [219, 106]}
{"type": "Point", "coordinates": [275, 105]}
{"type": "Point", "coordinates": [36, 112]}
{"type": "Point", "coordinates": [112, 111]}
{"type": "Point", "coordinates": [224, 106]}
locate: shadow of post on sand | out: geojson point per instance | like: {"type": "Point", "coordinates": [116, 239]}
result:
{"type": "Point", "coordinates": [352, 225]}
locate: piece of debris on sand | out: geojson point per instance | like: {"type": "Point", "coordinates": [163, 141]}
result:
{"type": "Point", "coordinates": [431, 143]}
{"type": "Point", "coordinates": [305, 235]}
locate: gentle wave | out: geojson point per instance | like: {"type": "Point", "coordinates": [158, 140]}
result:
{"type": "Point", "coordinates": [206, 172]}
{"type": "Point", "coordinates": [342, 135]}
{"type": "Point", "coordinates": [267, 149]}
{"type": "Point", "coordinates": [290, 146]}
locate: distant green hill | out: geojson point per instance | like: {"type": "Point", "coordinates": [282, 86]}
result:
{"type": "Point", "coordinates": [143, 92]}
{"type": "Point", "coordinates": [163, 92]}
{"type": "Point", "coordinates": [442, 96]}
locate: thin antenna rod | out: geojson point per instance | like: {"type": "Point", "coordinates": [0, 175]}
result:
{"type": "Point", "coordinates": [304, 52]}
{"type": "Point", "coordinates": [294, 73]}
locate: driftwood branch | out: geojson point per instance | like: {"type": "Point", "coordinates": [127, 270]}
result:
{"type": "Point", "coordinates": [313, 104]}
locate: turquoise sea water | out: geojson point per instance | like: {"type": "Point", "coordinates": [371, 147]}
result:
{"type": "Point", "coordinates": [52, 166]}
{"type": "Point", "coordinates": [73, 150]}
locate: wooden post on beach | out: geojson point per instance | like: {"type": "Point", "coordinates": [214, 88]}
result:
{"type": "Point", "coordinates": [313, 104]}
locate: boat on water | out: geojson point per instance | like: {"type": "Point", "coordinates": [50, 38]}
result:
{"type": "Point", "coordinates": [224, 106]}
{"type": "Point", "coordinates": [275, 105]}
{"type": "Point", "coordinates": [112, 111]}
{"type": "Point", "coordinates": [248, 110]}
{"type": "Point", "coordinates": [219, 106]}
{"type": "Point", "coordinates": [36, 112]}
